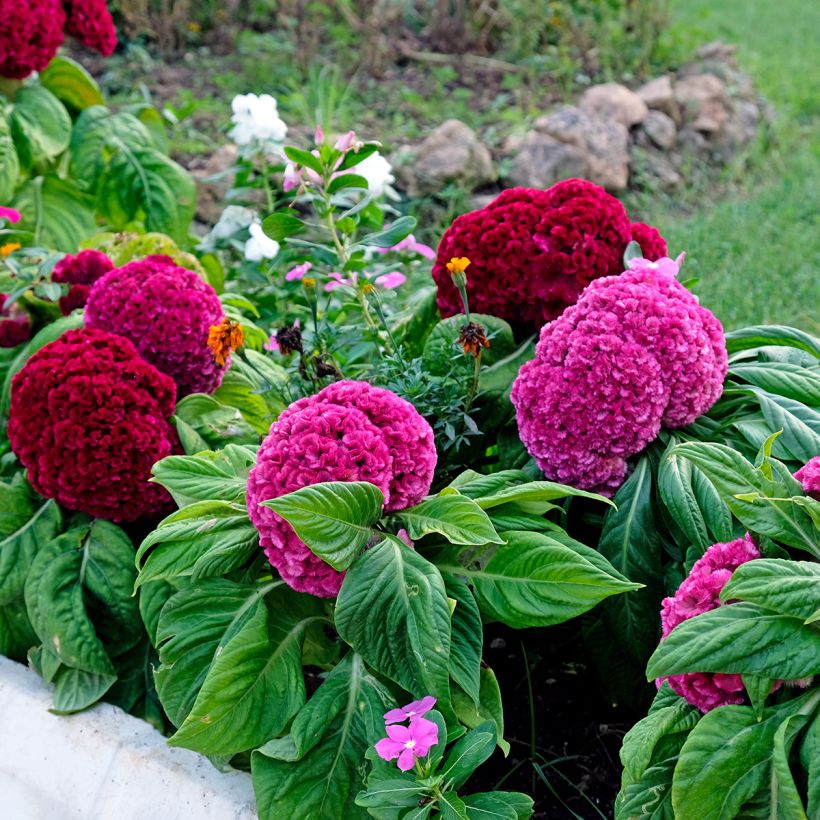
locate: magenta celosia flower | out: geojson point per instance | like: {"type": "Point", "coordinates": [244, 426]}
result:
{"type": "Point", "coordinates": [636, 352]}
{"type": "Point", "coordinates": [809, 477]}
{"type": "Point", "coordinates": [350, 431]}
{"type": "Point", "coordinates": [10, 213]}
{"type": "Point", "coordinates": [700, 592]}
{"type": "Point", "coordinates": [392, 280]}
{"type": "Point", "coordinates": [299, 272]}
{"type": "Point", "coordinates": [413, 710]}
{"type": "Point", "coordinates": [81, 272]}
{"type": "Point", "coordinates": [407, 743]}
{"type": "Point", "coordinates": [15, 324]}
{"type": "Point", "coordinates": [91, 23]}
{"type": "Point", "coordinates": [88, 419]}
{"type": "Point", "coordinates": [167, 312]}
{"type": "Point", "coordinates": [653, 245]}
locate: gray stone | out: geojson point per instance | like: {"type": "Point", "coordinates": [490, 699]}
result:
{"type": "Point", "coordinates": [542, 161]}
{"type": "Point", "coordinates": [613, 101]}
{"type": "Point", "coordinates": [658, 171]}
{"type": "Point", "coordinates": [660, 129]}
{"type": "Point", "coordinates": [604, 143]}
{"type": "Point", "coordinates": [659, 96]}
{"type": "Point", "coordinates": [704, 102]}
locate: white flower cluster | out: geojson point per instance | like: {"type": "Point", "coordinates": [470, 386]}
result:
{"type": "Point", "coordinates": [256, 120]}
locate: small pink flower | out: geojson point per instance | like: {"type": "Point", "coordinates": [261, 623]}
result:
{"type": "Point", "coordinates": [345, 142]}
{"type": "Point", "coordinates": [664, 266]}
{"type": "Point", "coordinates": [410, 244]}
{"type": "Point", "coordinates": [391, 281]}
{"type": "Point", "coordinates": [299, 272]}
{"type": "Point", "coordinates": [11, 214]}
{"type": "Point", "coordinates": [412, 711]}
{"type": "Point", "coordinates": [293, 177]}
{"type": "Point", "coordinates": [319, 135]}
{"type": "Point", "coordinates": [408, 742]}
{"type": "Point", "coordinates": [340, 280]}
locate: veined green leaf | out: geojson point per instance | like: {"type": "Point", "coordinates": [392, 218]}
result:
{"type": "Point", "coordinates": [458, 518]}
{"type": "Point", "coordinates": [788, 587]}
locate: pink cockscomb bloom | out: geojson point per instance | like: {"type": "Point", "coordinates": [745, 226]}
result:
{"type": "Point", "coordinates": [636, 352]}
{"type": "Point", "coordinates": [407, 743]}
{"type": "Point", "coordinates": [88, 419]}
{"type": "Point", "coordinates": [167, 312]}
{"type": "Point", "coordinates": [809, 477]}
{"type": "Point", "coordinates": [410, 712]}
{"type": "Point", "coordinates": [350, 431]}
{"type": "Point", "coordinates": [700, 592]}
{"type": "Point", "coordinates": [31, 31]}
{"type": "Point", "coordinates": [81, 272]}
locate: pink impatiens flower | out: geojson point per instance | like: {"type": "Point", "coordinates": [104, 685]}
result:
{"type": "Point", "coordinates": [413, 710]}
{"type": "Point", "coordinates": [11, 214]}
{"type": "Point", "coordinates": [408, 742]}
{"type": "Point", "coordinates": [292, 178]}
{"type": "Point", "coordinates": [346, 142]}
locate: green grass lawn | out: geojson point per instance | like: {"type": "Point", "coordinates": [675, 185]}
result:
{"type": "Point", "coordinates": [757, 253]}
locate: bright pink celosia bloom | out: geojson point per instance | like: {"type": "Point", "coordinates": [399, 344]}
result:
{"type": "Point", "coordinates": [407, 743]}
{"type": "Point", "coordinates": [350, 431]}
{"type": "Point", "coordinates": [167, 312]}
{"type": "Point", "coordinates": [81, 272]}
{"type": "Point", "coordinates": [391, 281]}
{"type": "Point", "coordinates": [413, 710]}
{"type": "Point", "coordinates": [700, 592]}
{"type": "Point", "coordinates": [299, 272]}
{"type": "Point", "coordinates": [10, 213]}
{"type": "Point", "coordinates": [636, 352]}
{"type": "Point", "coordinates": [809, 477]}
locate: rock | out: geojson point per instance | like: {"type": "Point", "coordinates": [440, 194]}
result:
{"type": "Point", "coordinates": [704, 102]}
{"type": "Point", "coordinates": [604, 143]}
{"type": "Point", "coordinates": [542, 161]}
{"type": "Point", "coordinates": [658, 95]}
{"type": "Point", "coordinates": [452, 153]}
{"type": "Point", "coordinates": [655, 170]}
{"type": "Point", "coordinates": [214, 179]}
{"type": "Point", "coordinates": [613, 101]}
{"type": "Point", "coordinates": [660, 129]}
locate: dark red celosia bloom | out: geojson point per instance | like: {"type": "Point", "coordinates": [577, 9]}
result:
{"type": "Point", "coordinates": [532, 252]}
{"type": "Point", "coordinates": [31, 31]}
{"type": "Point", "coordinates": [81, 272]}
{"type": "Point", "coordinates": [15, 324]}
{"type": "Point", "coordinates": [90, 22]}
{"type": "Point", "coordinates": [653, 245]}
{"type": "Point", "coordinates": [88, 419]}
{"type": "Point", "coordinates": [167, 312]}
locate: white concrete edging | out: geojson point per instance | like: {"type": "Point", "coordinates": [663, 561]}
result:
{"type": "Point", "coordinates": [101, 764]}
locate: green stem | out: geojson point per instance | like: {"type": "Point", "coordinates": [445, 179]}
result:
{"type": "Point", "coordinates": [394, 347]}
{"type": "Point", "coordinates": [474, 384]}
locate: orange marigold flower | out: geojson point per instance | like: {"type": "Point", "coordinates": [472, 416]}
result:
{"type": "Point", "coordinates": [458, 264]}
{"type": "Point", "coordinates": [223, 338]}
{"type": "Point", "coordinates": [9, 248]}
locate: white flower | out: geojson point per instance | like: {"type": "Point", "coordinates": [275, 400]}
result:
{"type": "Point", "coordinates": [256, 119]}
{"type": "Point", "coordinates": [260, 246]}
{"type": "Point", "coordinates": [231, 220]}
{"type": "Point", "coordinates": [378, 172]}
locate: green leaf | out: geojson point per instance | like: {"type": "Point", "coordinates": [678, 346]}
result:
{"type": "Point", "coordinates": [800, 424]}
{"type": "Point", "coordinates": [212, 423]}
{"type": "Point", "coordinates": [255, 684]}
{"type": "Point", "coordinates": [530, 495]}
{"type": "Point", "coordinates": [493, 805]}
{"type": "Point", "coordinates": [347, 181]}
{"type": "Point", "coordinates": [204, 539]}
{"type": "Point", "coordinates": [785, 797]}
{"type": "Point", "coordinates": [77, 689]}
{"type": "Point", "coordinates": [71, 84]}
{"type": "Point", "coordinates": [392, 235]}
{"type": "Point", "coordinates": [393, 610]}
{"type": "Point", "coordinates": [458, 518]}
{"type": "Point", "coordinates": [468, 754]}
{"type": "Point", "coordinates": [534, 580]}
{"type": "Point", "coordinates": [306, 158]}
{"type": "Point", "coordinates": [475, 485]}
{"type": "Point", "coordinates": [650, 796]}
{"type": "Point", "coordinates": [489, 706]}
{"type": "Point", "coordinates": [451, 807]}
{"type": "Point", "coordinates": [220, 475]}
{"type": "Point", "coordinates": [810, 759]}
{"type": "Point", "coordinates": [390, 794]}
{"type": "Point", "coordinates": [727, 759]}
{"type": "Point", "coordinates": [316, 770]}
{"type": "Point", "coordinates": [281, 225]}
{"type": "Point", "coordinates": [40, 125]}
{"type": "Point", "coordinates": [677, 491]}
{"type": "Point", "coordinates": [9, 161]}
{"type": "Point", "coordinates": [467, 640]}
{"type": "Point", "coordinates": [781, 378]}
{"type": "Point", "coordinates": [758, 690]}
{"type": "Point", "coordinates": [742, 639]}
{"type": "Point", "coordinates": [748, 338]}
{"type": "Point", "coordinates": [335, 518]}
{"type": "Point", "coordinates": [353, 158]}
{"type": "Point", "coordinates": [788, 587]}
{"type": "Point", "coordinates": [16, 633]}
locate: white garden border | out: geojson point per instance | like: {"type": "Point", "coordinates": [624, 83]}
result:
{"type": "Point", "coordinates": [101, 764]}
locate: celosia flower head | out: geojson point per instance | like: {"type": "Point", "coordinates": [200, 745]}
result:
{"type": "Point", "coordinates": [636, 352]}
{"type": "Point", "coordinates": [533, 251]}
{"type": "Point", "coordinates": [88, 419]}
{"type": "Point", "coordinates": [700, 592]}
{"type": "Point", "coordinates": [407, 743]}
{"type": "Point", "coordinates": [653, 245]}
{"type": "Point", "coordinates": [15, 324]}
{"type": "Point", "coordinates": [81, 272]}
{"type": "Point", "coordinates": [809, 477]}
{"type": "Point", "coordinates": [167, 312]}
{"type": "Point", "coordinates": [91, 23]}
{"type": "Point", "coordinates": [350, 431]}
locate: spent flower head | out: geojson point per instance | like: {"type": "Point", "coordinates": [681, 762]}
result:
{"type": "Point", "coordinates": [472, 338]}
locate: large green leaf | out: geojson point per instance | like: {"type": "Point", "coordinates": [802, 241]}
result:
{"type": "Point", "coordinates": [468, 753]}
{"type": "Point", "coordinates": [534, 580]}
{"type": "Point", "coordinates": [71, 83]}
{"type": "Point", "coordinates": [748, 338]}
{"type": "Point", "coordinates": [489, 706]}
{"type": "Point", "coordinates": [494, 805]}
{"type": "Point", "coordinates": [458, 518]}
{"type": "Point", "coordinates": [810, 760]}
{"type": "Point", "coordinates": [254, 685]}
{"type": "Point", "coordinates": [16, 633]}
{"type": "Point", "coordinates": [781, 378]}
{"type": "Point", "coordinates": [740, 638]}
{"type": "Point", "coordinates": [475, 485]}
{"type": "Point", "coordinates": [335, 518]}
{"type": "Point", "coordinates": [205, 423]}
{"type": "Point", "coordinates": [40, 125]}
{"type": "Point", "coordinates": [393, 610]}
{"type": "Point", "coordinates": [530, 496]}
{"type": "Point", "coordinates": [316, 771]}
{"type": "Point", "coordinates": [788, 587]}
{"type": "Point", "coordinates": [800, 424]}
{"type": "Point", "coordinates": [677, 491]}
{"type": "Point", "coordinates": [467, 639]}
{"type": "Point", "coordinates": [9, 162]}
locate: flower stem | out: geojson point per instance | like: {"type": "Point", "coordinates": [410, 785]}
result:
{"type": "Point", "coordinates": [474, 384]}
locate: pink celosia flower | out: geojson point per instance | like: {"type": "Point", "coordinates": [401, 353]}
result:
{"type": "Point", "coordinates": [664, 266]}
{"type": "Point", "coordinates": [809, 477]}
{"type": "Point", "coordinates": [81, 272]}
{"type": "Point", "coordinates": [409, 243]}
{"type": "Point", "coordinates": [413, 710]}
{"type": "Point", "coordinates": [391, 281]}
{"type": "Point", "coordinates": [292, 178]}
{"type": "Point", "coordinates": [407, 743]}
{"type": "Point", "coordinates": [299, 272]}
{"type": "Point", "coordinates": [700, 592]}
{"type": "Point", "coordinates": [11, 214]}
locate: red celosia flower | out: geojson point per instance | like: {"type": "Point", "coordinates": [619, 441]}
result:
{"type": "Point", "coordinates": [80, 271]}
{"type": "Point", "coordinates": [167, 312]}
{"type": "Point", "coordinates": [31, 31]}
{"type": "Point", "coordinates": [90, 22]}
{"type": "Point", "coordinates": [653, 245]}
{"type": "Point", "coordinates": [88, 419]}
{"type": "Point", "coordinates": [532, 252]}
{"type": "Point", "coordinates": [15, 324]}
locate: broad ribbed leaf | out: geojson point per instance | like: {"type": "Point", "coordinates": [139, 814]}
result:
{"type": "Point", "coordinates": [391, 235]}
{"type": "Point", "coordinates": [740, 638]}
{"type": "Point", "coordinates": [335, 518]}
{"type": "Point", "coordinates": [467, 639]}
{"type": "Point", "coordinates": [748, 338]}
{"type": "Point", "coordinates": [785, 797]}
{"type": "Point", "coordinates": [677, 491]}
{"type": "Point", "coordinates": [800, 424]}
{"type": "Point", "coordinates": [530, 496]}
{"type": "Point", "coordinates": [782, 379]}
{"type": "Point", "coordinates": [71, 83]}
{"type": "Point", "coordinates": [489, 706]}
{"type": "Point", "coordinates": [499, 805]}
{"type": "Point", "coordinates": [476, 485]}
{"type": "Point", "coordinates": [789, 587]}
{"type": "Point", "coordinates": [393, 610]}
{"type": "Point", "coordinates": [458, 518]}
{"type": "Point", "coordinates": [468, 753]}
{"type": "Point", "coordinates": [40, 125]}
{"type": "Point", "coordinates": [9, 162]}
{"type": "Point", "coordinates": [810, 760]}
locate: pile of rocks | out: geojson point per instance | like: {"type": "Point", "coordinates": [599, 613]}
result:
{"type": "Point", "coordinates": [614, 136]}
